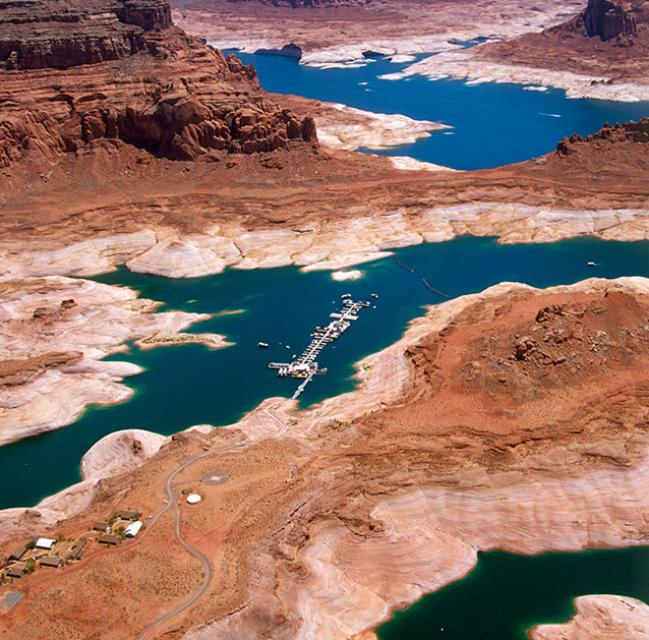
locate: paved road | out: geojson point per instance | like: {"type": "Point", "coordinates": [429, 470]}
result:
{"type": "Point", "coordinates": [172, 503]}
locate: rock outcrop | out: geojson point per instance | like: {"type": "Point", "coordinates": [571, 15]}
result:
{"type": "Point", "coordinates": [609, 20]}
{"type": "Point", "coordinates": [137, 80]}
{"type": "Point", "coordinates": [600, 617]}
{"type": "Point", "coordinates": [336, 516]}
{"type": "Point", "coordinates": [606, 43]}
{"type": "Point", "coordinates": [619, 137]}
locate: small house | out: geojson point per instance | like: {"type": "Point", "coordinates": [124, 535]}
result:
{"type": "Point", "coordinates": [17, 553]}
{"type": "Point", "coordinates": [16, 572]}
{"type": "Point", "coordinates": [133, 529]}
{"type": "Point", "coordinates": [44, 543]}
{"type": "Point", "coordinates": [108, 539]}
{"type": "Point", "coordinates": [128, 515]}
{"type": "Point", "coordinates": [100, 525]}
{"type": "Point", "coordinates": [75, 552]}
{"type": "Point", "coordinates": [50, 561]}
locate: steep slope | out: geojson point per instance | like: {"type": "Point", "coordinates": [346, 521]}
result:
{"type": "Point", "coordinates": [607, 38]}
{"type": "Point", "coordinates": [510, 419]}
{"type": "Point", "coordinates": [75, 74]}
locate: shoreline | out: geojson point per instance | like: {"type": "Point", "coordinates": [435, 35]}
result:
{"type": "Point", "coordinates": [467, 67]}
{"type": "Point", "coordinates": [376, 389]}
{"type": "Point", "coordinates": [321, 246]}
{"type": "Point", "coordinates": [382, 380]}
{"type": "Point", "coordinates": [56, 332]}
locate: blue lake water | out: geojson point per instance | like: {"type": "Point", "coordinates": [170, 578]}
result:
{"type": "Point", "coordinates": [189, 384]}
{"type": "Point", "coordinates": [494, 124]}
{"type": "Point", "coordinates": [506, 595]}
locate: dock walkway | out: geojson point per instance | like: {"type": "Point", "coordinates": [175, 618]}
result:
{"type": "Point", "coordinates": [305, 366]}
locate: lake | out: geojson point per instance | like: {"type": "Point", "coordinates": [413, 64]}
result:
{"type": "Point", "coordinates": [493, 124]}
{"type": "Point", "coordinates": [188, 384]}
{"type": "Point", "coordinates": [185, 385]}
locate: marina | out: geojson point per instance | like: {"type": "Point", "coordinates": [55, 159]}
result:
{"type": "Point", "coordinates": [176, 387]}
{"type": "Point", "coordinates": [305, 366]}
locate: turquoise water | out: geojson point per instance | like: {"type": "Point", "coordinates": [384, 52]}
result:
{"type": "Point", "coordinates": [506, 595]}
{"type": "Point", "coordinates": [494, 124]}
{"type": "Point", "coordinates": [189, 384]}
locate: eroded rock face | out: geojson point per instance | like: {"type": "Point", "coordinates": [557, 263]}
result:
{"type": "Point", "coordinates": [308, 3]}
{"type": "Point", "coordinates": [137, 80]}
{"type": "Point", "coordinates": [609, 20]}
{"type": "Point", "coordinates": [40, 35]}
{"type": "Point", "coordinates": [618, 135]}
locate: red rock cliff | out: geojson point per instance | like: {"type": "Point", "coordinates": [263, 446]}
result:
{"type": "Point", "coordinates": [75, 73]}
{"type": "Point", "coordinates": [609, 19]}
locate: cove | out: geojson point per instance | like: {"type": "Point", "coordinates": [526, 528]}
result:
{"type": "Point", "coordinates": [505, 595]}
{"type": "Point", "coordinates": [494, 124]}
{"type": "Point", "coordinates": [190, 384]}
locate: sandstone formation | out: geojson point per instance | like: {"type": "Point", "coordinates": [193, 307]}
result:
{"type": "Point", "coordinates": [137, 81]}
{"type": "Point", "coordinates": [335, 32]}
{"type": "Point", "coordinates": [610, 20]}
{"type": "Point", "coordinates": [511, 419]}
{"type": "Point", "coordinates": [619, 136]}
{"type": "Point", "coordinates": [330, 210]}
{"type": "Point", "coordinates": [600, 618]}
{"type": "Point", "coordinates": [54, 333]}
{"type": "Point", "coordinates": [605, 45]}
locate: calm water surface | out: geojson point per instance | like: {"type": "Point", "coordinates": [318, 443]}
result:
{"type": "Point", "coordinates": [189, 384]}
{"type": "Point", "coordinates": [494, 124]}
{"type": "Point", "coordinates": [506, 595]}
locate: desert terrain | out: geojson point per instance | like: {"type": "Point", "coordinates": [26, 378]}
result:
{"type": "Point", "coordinates": [596, 49]}
{"type": "Point", "coordinates": [331, 32]}
{"type": "Point", "coordinates": [168, 158]}
{"type": "Point", "coordinates": [317, 530]}
{"type": "Point", "coordinates": [125, 141]}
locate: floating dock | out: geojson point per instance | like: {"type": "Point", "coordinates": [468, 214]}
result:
{"type": "Point", "coordinates": [305, 366]}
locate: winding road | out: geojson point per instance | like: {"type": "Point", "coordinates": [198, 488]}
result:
{"type": "Point", "coordinates": [172, 503]}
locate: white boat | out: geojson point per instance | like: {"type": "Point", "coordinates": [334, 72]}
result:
{"type": "Point", "coordinates": [591, 263]}
{"type": "Point", "coordinates": [262, 345]}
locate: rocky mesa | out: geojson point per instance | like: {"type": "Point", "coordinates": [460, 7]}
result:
{"type": "Point", "coordinates": [80, 74]}
{"type": "Point", "coordinates": [608, 41]}
{"type": "Point", "coordinates": [511, 419]}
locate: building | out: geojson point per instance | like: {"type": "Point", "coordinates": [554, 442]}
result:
{"type": "Point", "coordinates": [133, 529]}
{"type": "Point", "coordinates": [128, 515]}
{"type": "Point", "coordinates": [75, 552]}
{"type": "Point", "coordinates": [100, 525]}
{"type": "Point", "coordinates": [16, 572]}
{"type": "Point", "coordinates": [108, 539]}
{"type": "Point", "coordinates": [44, 543]}
{"type": "Point", "coordinates": [17, 553]}
{"type": "Point", "coordinates": [50, 561]}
